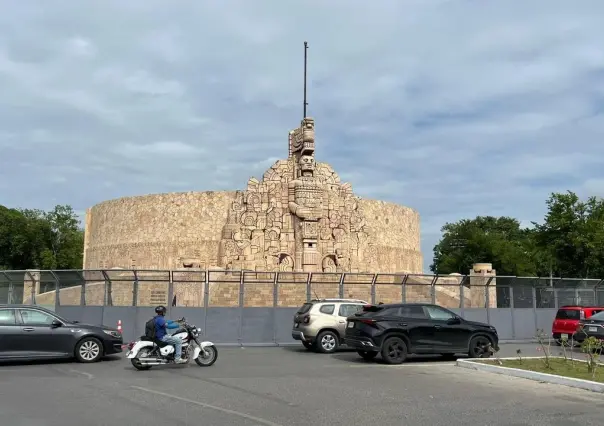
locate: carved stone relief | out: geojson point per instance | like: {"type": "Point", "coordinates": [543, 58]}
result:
{"type": "Point", "coordinates": [299, 217]}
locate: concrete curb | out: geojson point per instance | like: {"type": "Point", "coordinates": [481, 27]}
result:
{"type": "Point", "coordinates": [531, 375]}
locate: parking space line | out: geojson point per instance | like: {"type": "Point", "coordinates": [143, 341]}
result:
{"type": "Point", "coordinates": [213, 407]}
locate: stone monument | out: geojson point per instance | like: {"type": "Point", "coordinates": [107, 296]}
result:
{"type": "Point", "coordinates": [300, 217]}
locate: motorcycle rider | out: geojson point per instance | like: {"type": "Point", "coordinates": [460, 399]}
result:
{"type": "Point", "coordinates": [161, 333]}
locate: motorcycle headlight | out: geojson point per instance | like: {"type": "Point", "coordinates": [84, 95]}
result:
{"type": "Point", "coordinates": [198, 330]}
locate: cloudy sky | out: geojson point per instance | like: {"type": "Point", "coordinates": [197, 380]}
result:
{"type": "Point", "coordinates": [456, 108]}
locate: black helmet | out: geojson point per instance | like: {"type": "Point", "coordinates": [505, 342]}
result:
{"type": "Point", "coordinates": [160, 310]}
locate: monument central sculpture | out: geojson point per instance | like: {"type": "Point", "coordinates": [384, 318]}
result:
{"type": "Point", "coordinates": [300, 217]}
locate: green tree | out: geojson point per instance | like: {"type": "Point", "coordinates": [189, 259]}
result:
{"type": "Point", "coordinates": [497, 240]}
{"type": "Point", "coordinates": [23, 239]}
{"type": "Point", "coordinates": [34, 239]}
{"type": "Point", "coordinates": [67, 239]}
{"type": "Point", "coordinates": [572, 235]}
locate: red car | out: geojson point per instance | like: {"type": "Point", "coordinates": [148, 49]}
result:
{"type": "Point", "coordinates": [567, 321]}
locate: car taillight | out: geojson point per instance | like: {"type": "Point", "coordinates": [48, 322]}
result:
{"type": "Point", "coordinates": [368, 321]}
{"type": "Point", "coordinates": [306, 319]}
{"type": "Point", "coordinates": [582, 315]}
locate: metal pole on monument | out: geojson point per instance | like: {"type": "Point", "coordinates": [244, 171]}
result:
{"type": "Point", "coordinates": [305, 64]}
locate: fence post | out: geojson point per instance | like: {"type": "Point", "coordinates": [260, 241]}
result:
{"type": "Point", "coordinates": [597, 292]}
{"type": "Point", "coordinates": [512, 312]}
{"type": "Point", "coordinates": [135, 291]}
{"type": "Point", "coordinates": [108, 289]}
{"type": "Point", "coordinates": [462, 300]}
{"type": "Point", "coordinates": [206, 300]}
{"type": "Point", "coordinates": [534, 291]}
{"type": "Point", "coordinates": [83, 291]}
{"type": "Point", "coordinates": [373, 280]}
{"type": "Point", "coordinates": [404, 289]}
{"type": "Point", "coordinates": [556, 301]}
{"type": "Point", "coordinates": [275, 305]}
{"type": "Point", "coordinates": [487, 300]}
{"type": "Point", "coordinates": [341, 286]}
{"type": "Point", "coordinates": [9, 296]}
{"type": "Point", "coordinates": [433, 290]}
{"type": "Point", "coordinates": [241, 302]}
{"type": "Point", "coordinates": [308, 289]}
{"type": "Point", "coordinates": [170, 290]}
{"type": "Point", "coordinates": [57, 292]}
{"type": "Point", "coordinates": [34, 284]}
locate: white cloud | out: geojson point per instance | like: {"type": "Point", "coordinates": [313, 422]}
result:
{"type": "Point", "coordinates": [452, 107]}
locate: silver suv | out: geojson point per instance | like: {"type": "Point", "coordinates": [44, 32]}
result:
{"type": "Point", "coordinates": [321, 324]}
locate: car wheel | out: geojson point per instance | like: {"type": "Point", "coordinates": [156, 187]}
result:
{"type": "Point", "coordinates": [394, 350]}
{"type": "Point", "coordinates": [479, 347]}
{"type": "Point", "coordinates": [326, 342]}
{"type": "Point", "coordinates": [89, 349]}
{"type": "Point", "coordinates": [367, 355]}
{"type": "Point", "coordinates": [307, 345]}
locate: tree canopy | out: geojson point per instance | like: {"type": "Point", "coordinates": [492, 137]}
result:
{"type": "Point", "coordinates": [569, 242]}
{"type": "Point", "coordinates": [35, 239]}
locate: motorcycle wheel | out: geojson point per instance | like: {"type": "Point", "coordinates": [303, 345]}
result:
{"type": "Point", "coordinates": [143, 353]}
{"type": "Point", "coordinates": [209, 358]}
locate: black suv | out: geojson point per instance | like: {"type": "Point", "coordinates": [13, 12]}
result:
{"type": "Point", "coordinates": [397, 330]}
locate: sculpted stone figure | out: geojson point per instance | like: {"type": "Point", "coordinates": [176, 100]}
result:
{"type": "Point", "coordinates": [299, 217]}
{"type": "Point", "coordinates": [305, 193]}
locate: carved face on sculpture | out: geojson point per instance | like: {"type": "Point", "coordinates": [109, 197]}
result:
{"type": "Point", "coordinates": [307, 163]}
{"type": "Point", "coordinates": [308, 123]}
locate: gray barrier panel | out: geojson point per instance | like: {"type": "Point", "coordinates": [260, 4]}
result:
{"type": "Point", "coordinates": [476, 314]}
{"type": "Point", "coordinates": [222, 325]}
{"type": "Point", "coordinates": [524, 324]}
{"type": "Point", "coordinates": [501, 319]}
{"type": "Point", "coordinates": [128, 315]}
{"type": "Point", "coordinates": [545, 319]}
{"type": "Point", "coordinates": [194, 316]}
{"type": "Point", "coordinates": [85, 314]}
{"type": "Point", "coordinates": [284, 322]}
{"type": "Point", "coordinates": [273, 326]}
{"type": "Point", "coordinates": [258, 326]}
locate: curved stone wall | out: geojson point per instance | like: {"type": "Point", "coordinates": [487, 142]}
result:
{"type": "Point", "coordinates": [168, 231]}
{"type": "Point", "coordinates": [160, 231]}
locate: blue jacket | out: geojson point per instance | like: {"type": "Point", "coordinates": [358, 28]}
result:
{"type": "Point", "coordinates": [161, 326]}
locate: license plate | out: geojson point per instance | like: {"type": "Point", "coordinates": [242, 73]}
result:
{"type": "Point", "coordinates": [593, 329]}
{"type": "Point", "coordinates": [564, 336]}
{"type": "Point", "coordinates": [296, 325]}
{"type": "Point", "coordinates": [351, 324]}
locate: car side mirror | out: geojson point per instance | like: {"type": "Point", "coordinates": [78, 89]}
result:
{"type": "Point", "coordinates": [454, 320]}
{"type": "Point", "coordinates": [56, 324]}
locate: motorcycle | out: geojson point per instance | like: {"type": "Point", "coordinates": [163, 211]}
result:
{"type": "Point", "coordinates": [146, 353]}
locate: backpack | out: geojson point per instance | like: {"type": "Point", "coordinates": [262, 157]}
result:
{"type": "Point", "coordinates": [150, 329]}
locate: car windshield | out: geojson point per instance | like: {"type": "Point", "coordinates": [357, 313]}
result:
{"type": "Point", "coordinates": [304, 308]}
{"type": "Point", "coordinates": [598, 317]}
{"type": "Point", "coordinates": [571, 314]}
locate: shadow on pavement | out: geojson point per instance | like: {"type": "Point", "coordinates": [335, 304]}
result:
{"type": "Point", "coordinates": [16, 363]}
{"type": "Point", "coordinates": [356, 359]}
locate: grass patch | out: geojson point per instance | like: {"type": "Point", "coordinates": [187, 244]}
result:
{"type": "Point", "coordinates": [559, 366]}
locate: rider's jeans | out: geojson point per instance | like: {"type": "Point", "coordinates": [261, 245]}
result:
{"type": "Point", "coordinates": [177, 342]}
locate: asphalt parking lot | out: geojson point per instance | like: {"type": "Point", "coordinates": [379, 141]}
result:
{"type": "Point", "coordinates": [285, 386]}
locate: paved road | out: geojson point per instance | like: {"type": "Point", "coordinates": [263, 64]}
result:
{"type": "Point", "coordinates": [286, 387]}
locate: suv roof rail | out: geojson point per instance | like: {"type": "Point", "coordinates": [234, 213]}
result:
{"type": "Point", "coordinates": [338, 299]}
